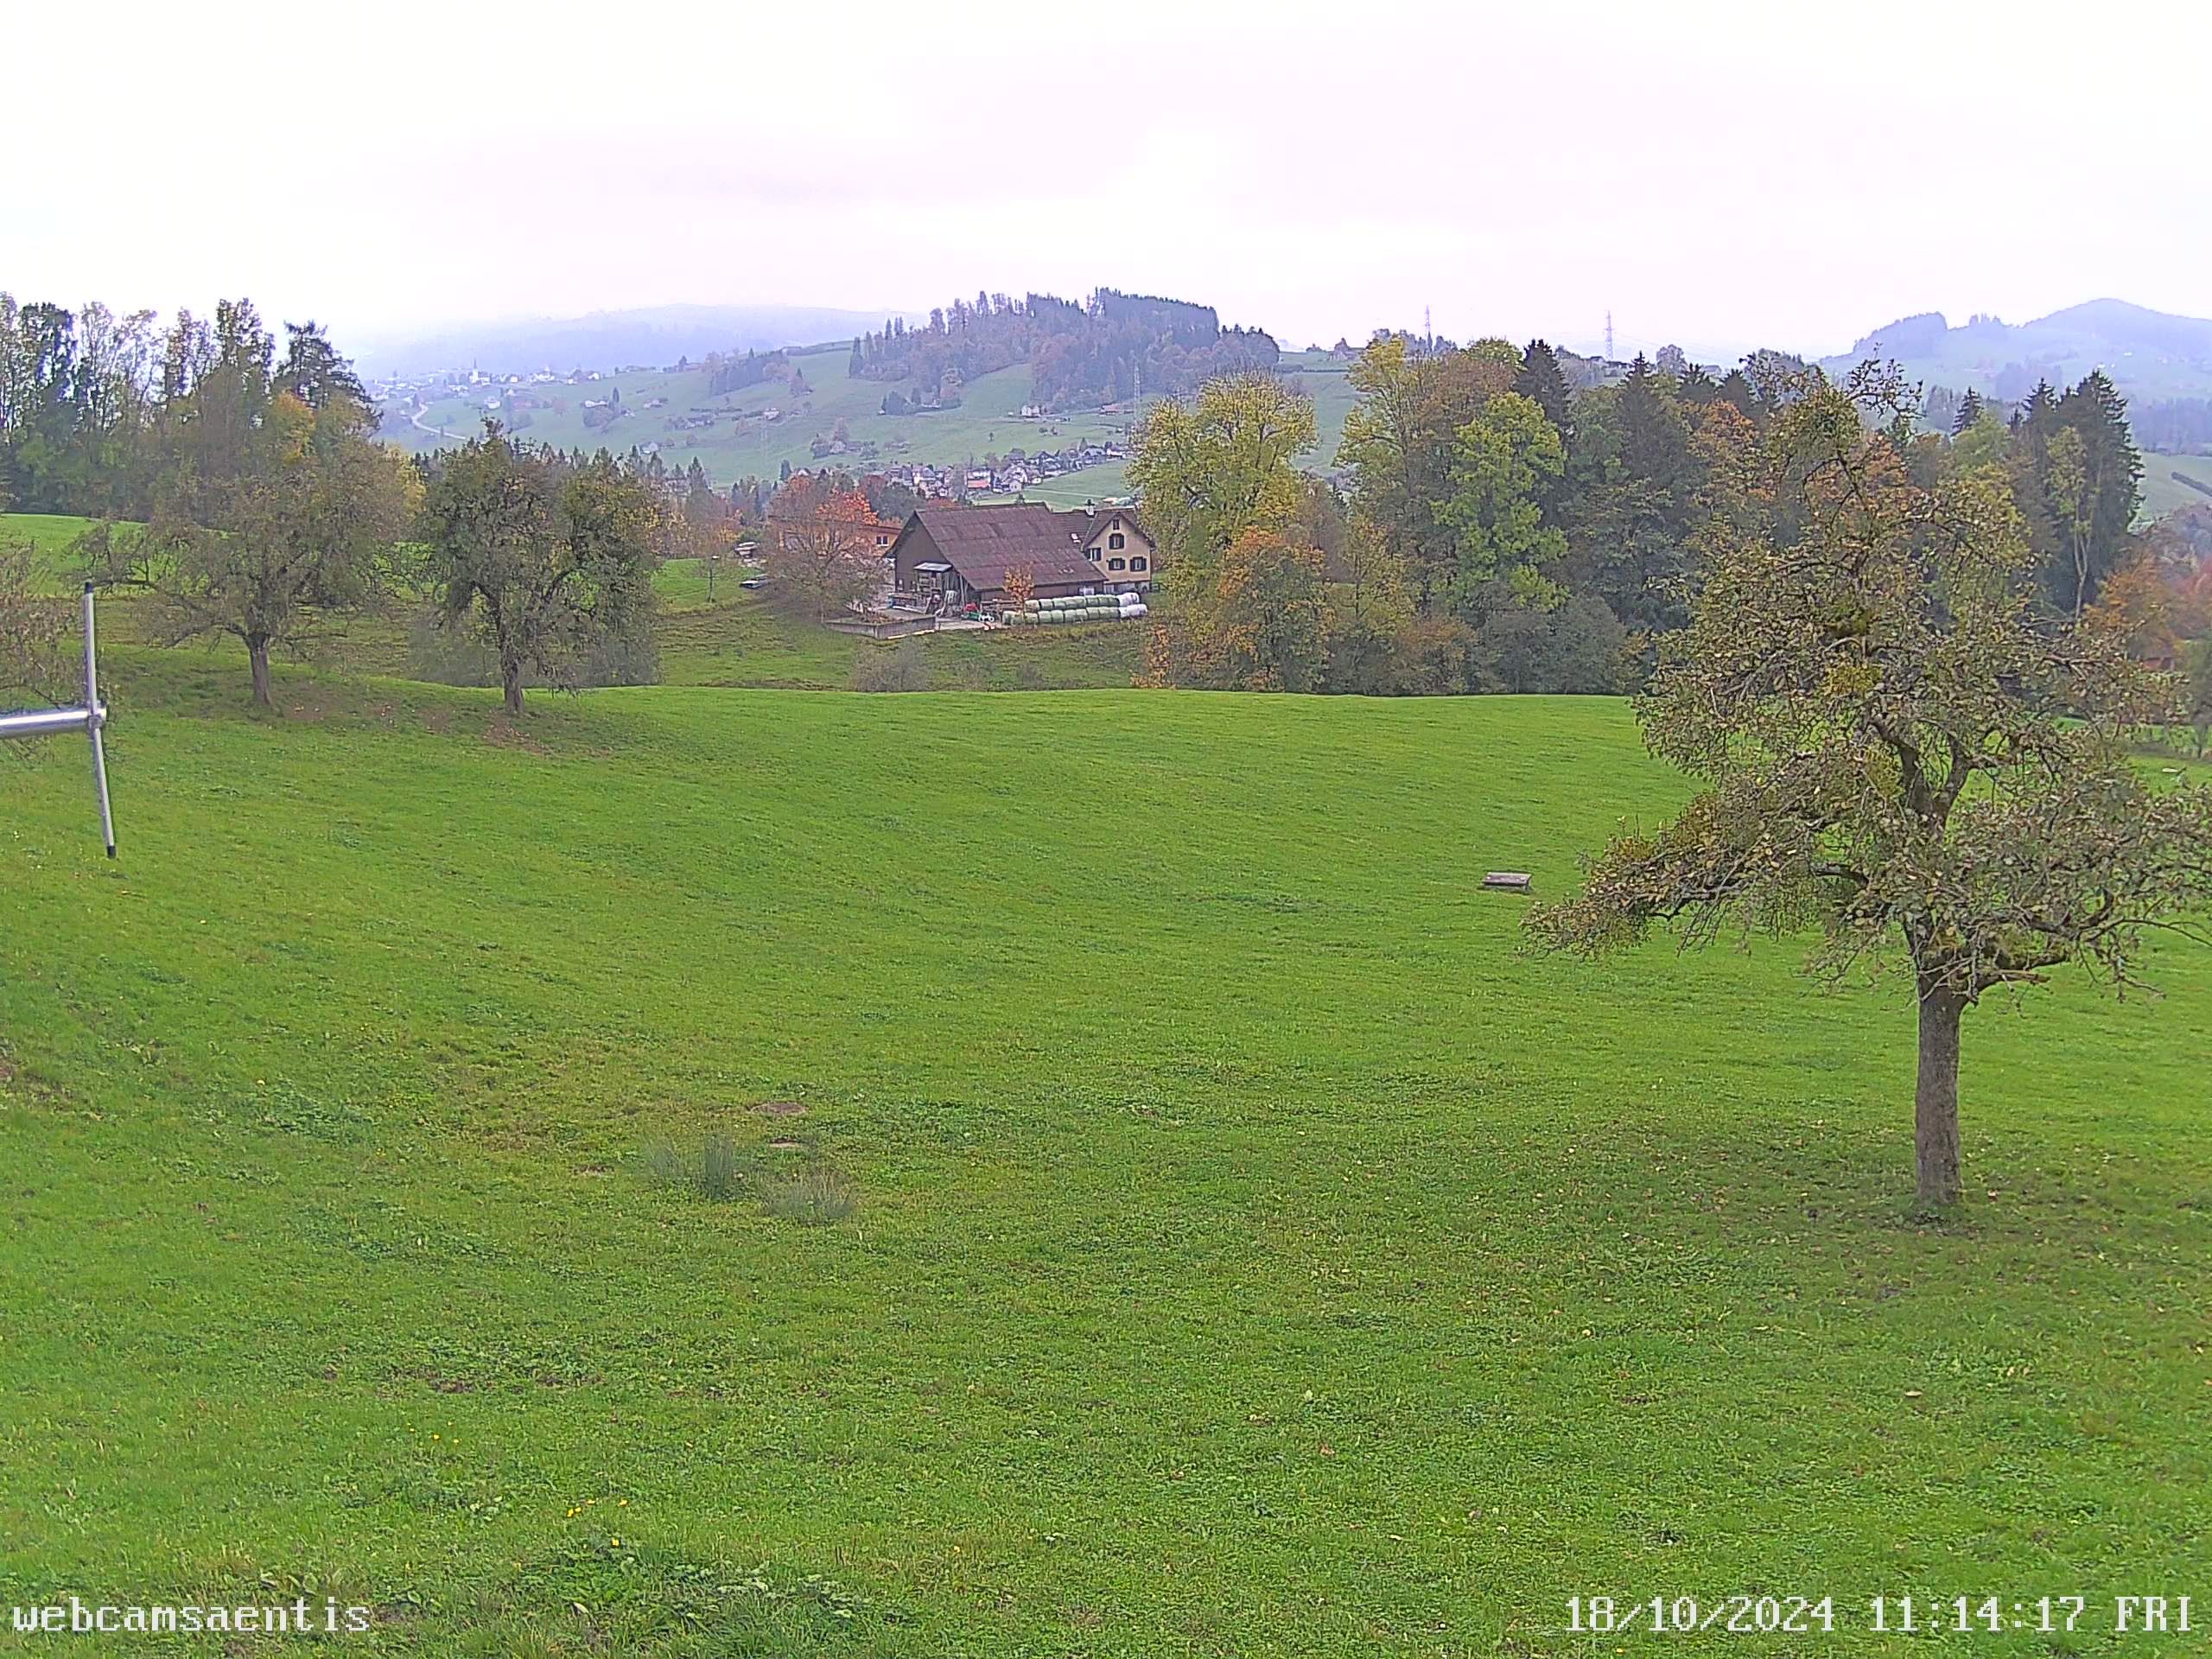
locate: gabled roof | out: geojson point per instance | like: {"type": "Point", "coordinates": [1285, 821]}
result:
{"type": "Point", "coordinates": [985, 544]}
{"type": "Point", "coordinates": [1088, 522]}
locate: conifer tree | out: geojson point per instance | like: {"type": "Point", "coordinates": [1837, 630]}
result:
{"type": "Point", "coordinates": [1541, 382]}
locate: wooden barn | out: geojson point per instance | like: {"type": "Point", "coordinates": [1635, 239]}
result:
{"type": "Point", "coordinates": [963, 556]}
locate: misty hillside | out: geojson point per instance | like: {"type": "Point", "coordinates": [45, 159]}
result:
{"type": "Point", "coordinates": [2151, 355]}
{"type": "Point", "coordinates": [656, 335]}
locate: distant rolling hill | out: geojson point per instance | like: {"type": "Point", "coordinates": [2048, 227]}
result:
{"type": "Point", "coordinates": [759, 429]}
{"type": "Point", "coordinates": [2151, 356]}
{"type": "Point", "coordinates": [608, 339]}
{"type": "Point", "coordinates": [733, 434]}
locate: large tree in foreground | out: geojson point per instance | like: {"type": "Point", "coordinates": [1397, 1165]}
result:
{"type": "Point", "coordinates": [1898, 751]}
{"type": "Point", "coordinates": [547, 561]}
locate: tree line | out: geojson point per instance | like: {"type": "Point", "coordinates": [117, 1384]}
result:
{"type": "Point", "coordinates": [1114, 347]}
{"type": "Point", "coordinates": [243, 494]}
{"type": "Point", "coordinates": [1491, 527]}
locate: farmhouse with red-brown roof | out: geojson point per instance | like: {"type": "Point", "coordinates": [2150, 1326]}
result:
{"type": "Point", "coordinates": [963, 556]}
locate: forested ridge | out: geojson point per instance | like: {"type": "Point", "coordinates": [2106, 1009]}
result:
{"type": "Point", "coordinates": [1112, 348]}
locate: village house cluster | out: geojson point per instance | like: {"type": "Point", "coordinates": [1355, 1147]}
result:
{"type": "Point", "coordinates": [1018, 472]}
{"type": "Point", "coordinates": [937, 482]}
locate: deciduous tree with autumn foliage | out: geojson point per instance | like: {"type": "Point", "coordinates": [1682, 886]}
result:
{"type": "Point", "coordinates": [821, 556]}
{"type": "Point", "coordinates": [280, 508]}
{"type": "Point", "coordinates": [1901, 748]}
{"type": "Point", "coordinates": [1221, 490]}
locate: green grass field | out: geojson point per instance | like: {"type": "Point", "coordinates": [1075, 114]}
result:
{"type": "Point", "coordinates": [1322, 377]}
{"type": "Point", "coordinates": [747, 644]}
{"type": "Point", "coordinates": [739, 640]}
{"type": "Point", "coordinates": [1253, 1252]}
{"type": "Point", "coordinates": [53, 538]}
{"type": "Point", "coordinates": [2162, 493]}
{"type": "Point", "coordinates": [1093, 484]}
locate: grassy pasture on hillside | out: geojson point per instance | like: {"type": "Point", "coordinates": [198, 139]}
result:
{"type": "Point", "coordinates": [1322, 377]}
{"type": "Point", "coordinates": [1254, 1252]}
{"type": "Point", "coordinates": [1092, 484]}
{"type": "Point", "coordinates": [740, 640]}
{"type": "Point", "coordinates": [985, 423]}
{"type": "Point", "coordinates": [2163, 493]}
{"type": "Point", "coordinates": [53, 538]}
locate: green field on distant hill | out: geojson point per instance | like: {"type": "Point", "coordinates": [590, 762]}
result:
{"type": "Point", "coordinates": [2163, 493]}
{"type": "Point", "coordinates": [1167, 1212]}
{"type": "Point", "coordinates": [742, 442]}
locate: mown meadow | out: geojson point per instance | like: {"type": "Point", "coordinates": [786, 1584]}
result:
{"type": "Point", "coordinates": [727, 636]}
{"type": "Point", "coordinates": [1234, 1242]}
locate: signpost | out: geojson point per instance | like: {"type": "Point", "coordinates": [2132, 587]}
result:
{"type": "Point", "coordinates": [89, 719]}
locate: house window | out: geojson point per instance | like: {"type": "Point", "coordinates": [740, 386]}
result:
{"type": "Point", "coordinates": [1117, 564]}
{"type": "Point", "coordinates": [1117, 540]}
{"type": "Point", "coordinates": [1137, 563]}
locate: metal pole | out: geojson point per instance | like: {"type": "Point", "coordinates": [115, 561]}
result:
{"type": "Point", "coordinates": [41, 722]}
{"type": "Point", "coordinates": [48, 722]}
{"type": "Point", "coordinates": [95, 718]}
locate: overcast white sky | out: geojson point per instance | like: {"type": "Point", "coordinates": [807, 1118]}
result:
{"type": "Point", "coordinates": [1782, 173]}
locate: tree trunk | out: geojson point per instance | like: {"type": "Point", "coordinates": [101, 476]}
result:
{"type": "Point", "coordinates": [257, 650]}
{"type": "Point", "coordinates": [511, 682]}
{"type": "Point", "coordinates": [1936, 1098]}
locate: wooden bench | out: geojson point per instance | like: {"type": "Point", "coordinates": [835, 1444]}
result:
{"type": "Point", "coordinates": [1507, 880]}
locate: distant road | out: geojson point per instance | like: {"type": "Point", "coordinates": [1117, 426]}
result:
{"type": "Point", "coordinates": [421, 425]}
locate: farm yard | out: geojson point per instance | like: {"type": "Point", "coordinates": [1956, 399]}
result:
{"type": "Point", "coordinates": [1161, 1208]}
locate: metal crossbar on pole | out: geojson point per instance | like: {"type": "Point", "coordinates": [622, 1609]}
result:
{"type": "Point", "coordinates": [88, 719]}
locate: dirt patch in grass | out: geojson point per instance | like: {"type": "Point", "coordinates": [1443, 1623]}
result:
{"type": "Point", "coordinates": [505, 735]}
{"type": "Point", "coordinates": [441, 1382]}
{"type": "Point", "coordinates": [779, 1108]}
